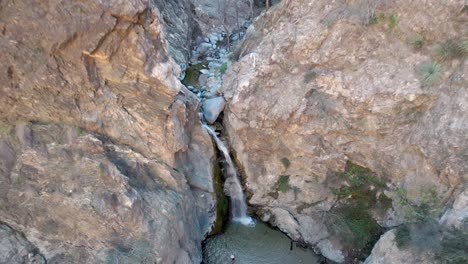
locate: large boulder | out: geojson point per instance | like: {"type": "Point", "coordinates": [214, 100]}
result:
{"type": "Point", "coordinates": [212, 108]}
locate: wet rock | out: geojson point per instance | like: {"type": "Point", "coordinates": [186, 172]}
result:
{"type": "Point", "coordinates": [212, 108]}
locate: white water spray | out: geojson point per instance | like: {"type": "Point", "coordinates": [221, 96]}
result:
{"type": "Point", "coordinates": [232, 186]}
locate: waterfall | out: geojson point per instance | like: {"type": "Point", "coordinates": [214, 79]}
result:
{"type": "Point", "coordinates": [232, 186]}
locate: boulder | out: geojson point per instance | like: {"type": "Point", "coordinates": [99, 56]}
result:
{"type": "Point", "coordinates": [212, 108]}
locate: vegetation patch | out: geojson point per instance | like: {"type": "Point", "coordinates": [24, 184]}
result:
{"type": "Point", "coordinates": [429, 73]}
{"type": "Point", "coordinates": [223, 68]}
{"type": "Point", "coordinates": [464, 45]}
{"type": "Point", "coordinates": [377, 19]}
{"type": "Point", "coordinates": [454, 247]}
{"type": "Point", "coordinates": [192, 74]}
{"type": "Point", "coordinates": [392, 21]}
{"type": "Point", "coordinates": [402, 235]}
{"type": "Point", "coordinates": [282, 184]}
{"type": "Point", "coordinates": [221, 201]}
{"type": "Point", "coordinates": [449, 49]}
{"type": "Point", "coordinates": [417, 41]}
{"type": "Point", "coordinates": [427, 208]}
{"type": "Point", "coordinates": [422, 232]}
{"type": "Point", "coordinates": [351, 220]}
{"type": "Point", "coordinates": [286, 163]}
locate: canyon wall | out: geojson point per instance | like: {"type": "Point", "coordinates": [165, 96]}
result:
{"type": "Point", "coordinates": [103, 157]}
{"type": "Point", "coordinates": [323, 84]}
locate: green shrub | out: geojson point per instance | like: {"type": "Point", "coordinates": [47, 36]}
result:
{"type": "Point", "coordinates": [454, 247]}
{"type": "Point", "coordinates": [427, 208]}
{"type": "Point", "coordinates": [392, 21]}
{"type": "Point", "coordinates": [402, 236]}
{"type": "Point", "coordinates": [361, 188]}
{"type": "Point", "coordinates": [192, 74]}
{"type": "Point", "coordinates": [352, 219]}
{"type": "Point", "coordinates": [356, 227]}
{"type": "Point", "coordinates": [223, 68]}
{"type": "Point", "coordinates": [448, 50]}
{"type": "Point", "coordinates": [422, 232]}
{"type": "Point", "coordinates": [286, 163]}
{"type": "Point", "coordinates": [464, 46]}
{"type": "Point", "coordinates": [429, 73]}
{"type": "Point", "coordinates": [377, 19]}
{"type": "Point", "coordinates": [282, 184]}
{"type": "Point", "coordinates": [417, 41]}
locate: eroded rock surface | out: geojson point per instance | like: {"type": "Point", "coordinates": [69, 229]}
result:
{"type": "Point", "coordinates": [102, 154]}
{"type": "Point", "coordinates": [319, 84]}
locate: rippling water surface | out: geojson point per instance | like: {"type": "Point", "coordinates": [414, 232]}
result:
{"type": "Point", "coordinates": [259, 244]}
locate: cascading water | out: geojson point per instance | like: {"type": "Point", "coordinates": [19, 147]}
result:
{"type": "Point", "coordinates": [232, 185]}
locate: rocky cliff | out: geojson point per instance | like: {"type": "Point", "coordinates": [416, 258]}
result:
{"type": "Point", "coordinates": [323, 87]}
{"type": "Point", "coordinates": [102, 158]}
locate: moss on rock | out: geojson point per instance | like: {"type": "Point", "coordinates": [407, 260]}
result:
{"type": "Point", "coordinates": [221, 201]}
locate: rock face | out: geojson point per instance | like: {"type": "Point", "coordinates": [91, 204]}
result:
{"type": "Point", "coordinates": [102, 154]}
{"type": "Point", "coordinates": [315, 87]}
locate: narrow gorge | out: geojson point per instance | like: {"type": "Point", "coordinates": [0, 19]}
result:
{"type": "Point", "coordinates": [250, 131]}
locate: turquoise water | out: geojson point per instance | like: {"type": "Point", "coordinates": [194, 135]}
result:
{"type": "Point", "coordinates": [260, 244]}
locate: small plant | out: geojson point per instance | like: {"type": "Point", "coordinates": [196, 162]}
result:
{"type": "Point", "coordinates": [282, 184]}
{"type": "Point", "coordinates": [464, 45]}
{"type": "Point", "coordinates": [417, 41]}
{"type": "Point", "coordinates": [223, 68]}
{"type": "Point", "coordinates": [448, 50]}
{"type": "Point", "coordinates": [402, 236]}
{"type": "Point", "coordinates": [286, 163]}
{"type": "Point", "coordinates": [427, 208]}
{"type": "Point", "coordinates": [377, 19]}
{"type": "Point", "coordinates": [392, 21]}
{"type": "Point", "coordinates": [422, 231]}
{"type": "Point", "coordinates": [454, 248]}
{"type": "Point", "coordinates": [430, 73]}
{"type": "Point", "coordinates": [79, 131]}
